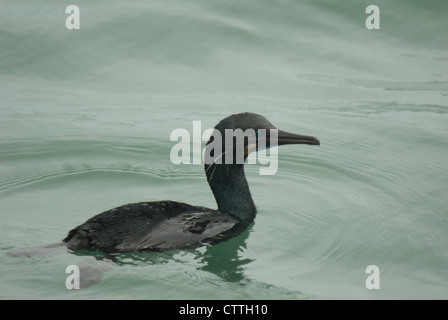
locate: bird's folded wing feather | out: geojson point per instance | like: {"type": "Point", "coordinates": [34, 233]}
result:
{"type": "Point", "coordinates": [188, 230]}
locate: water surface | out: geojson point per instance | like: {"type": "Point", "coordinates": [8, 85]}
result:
{"type": "Point", "coordinates": [86, 115]}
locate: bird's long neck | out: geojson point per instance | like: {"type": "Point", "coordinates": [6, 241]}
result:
{"type": "Point", "coordinates": [229, 186]}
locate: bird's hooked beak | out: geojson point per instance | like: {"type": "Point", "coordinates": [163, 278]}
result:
{"type": "Point", "coordinates": [283, 138]}
{"type": "Point", "coordinates": [292, 138]}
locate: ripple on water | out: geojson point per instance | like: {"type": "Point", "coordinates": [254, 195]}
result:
{"type": "Point", "coordinates": [349, 197]}
{"type": "Point", "coordinates": [36, 164]}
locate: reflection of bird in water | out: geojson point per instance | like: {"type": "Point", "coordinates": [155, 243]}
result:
{"type": "Point", "coordinates": [226, 260]}
{"type": "Point", "coordinates": [166, 225]}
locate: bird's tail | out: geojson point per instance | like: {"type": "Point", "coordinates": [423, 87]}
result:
{"type": "Point", "coordinates": [40, 251]}
{"type": "Point", "coordinates": [91, 270]}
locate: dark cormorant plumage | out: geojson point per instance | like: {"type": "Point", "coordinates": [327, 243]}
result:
{"type": "Point", "coordinates": [166, 225]}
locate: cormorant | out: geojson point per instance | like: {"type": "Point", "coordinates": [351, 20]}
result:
{"type": "Point", "coordinates": [167, 225]}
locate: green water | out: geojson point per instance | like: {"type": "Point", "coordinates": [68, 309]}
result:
{"type": "Point", "coordinates": [86, 116]}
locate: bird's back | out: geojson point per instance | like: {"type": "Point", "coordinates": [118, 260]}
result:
{"type": "Point", "coordinates": [152, 226]}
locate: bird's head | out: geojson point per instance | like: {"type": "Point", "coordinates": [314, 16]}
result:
{"type": "Point", "coordinates": [242, 133]}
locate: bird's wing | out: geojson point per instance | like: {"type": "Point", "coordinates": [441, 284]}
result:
{"type": "Point", "coordinates": [188, 230]}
